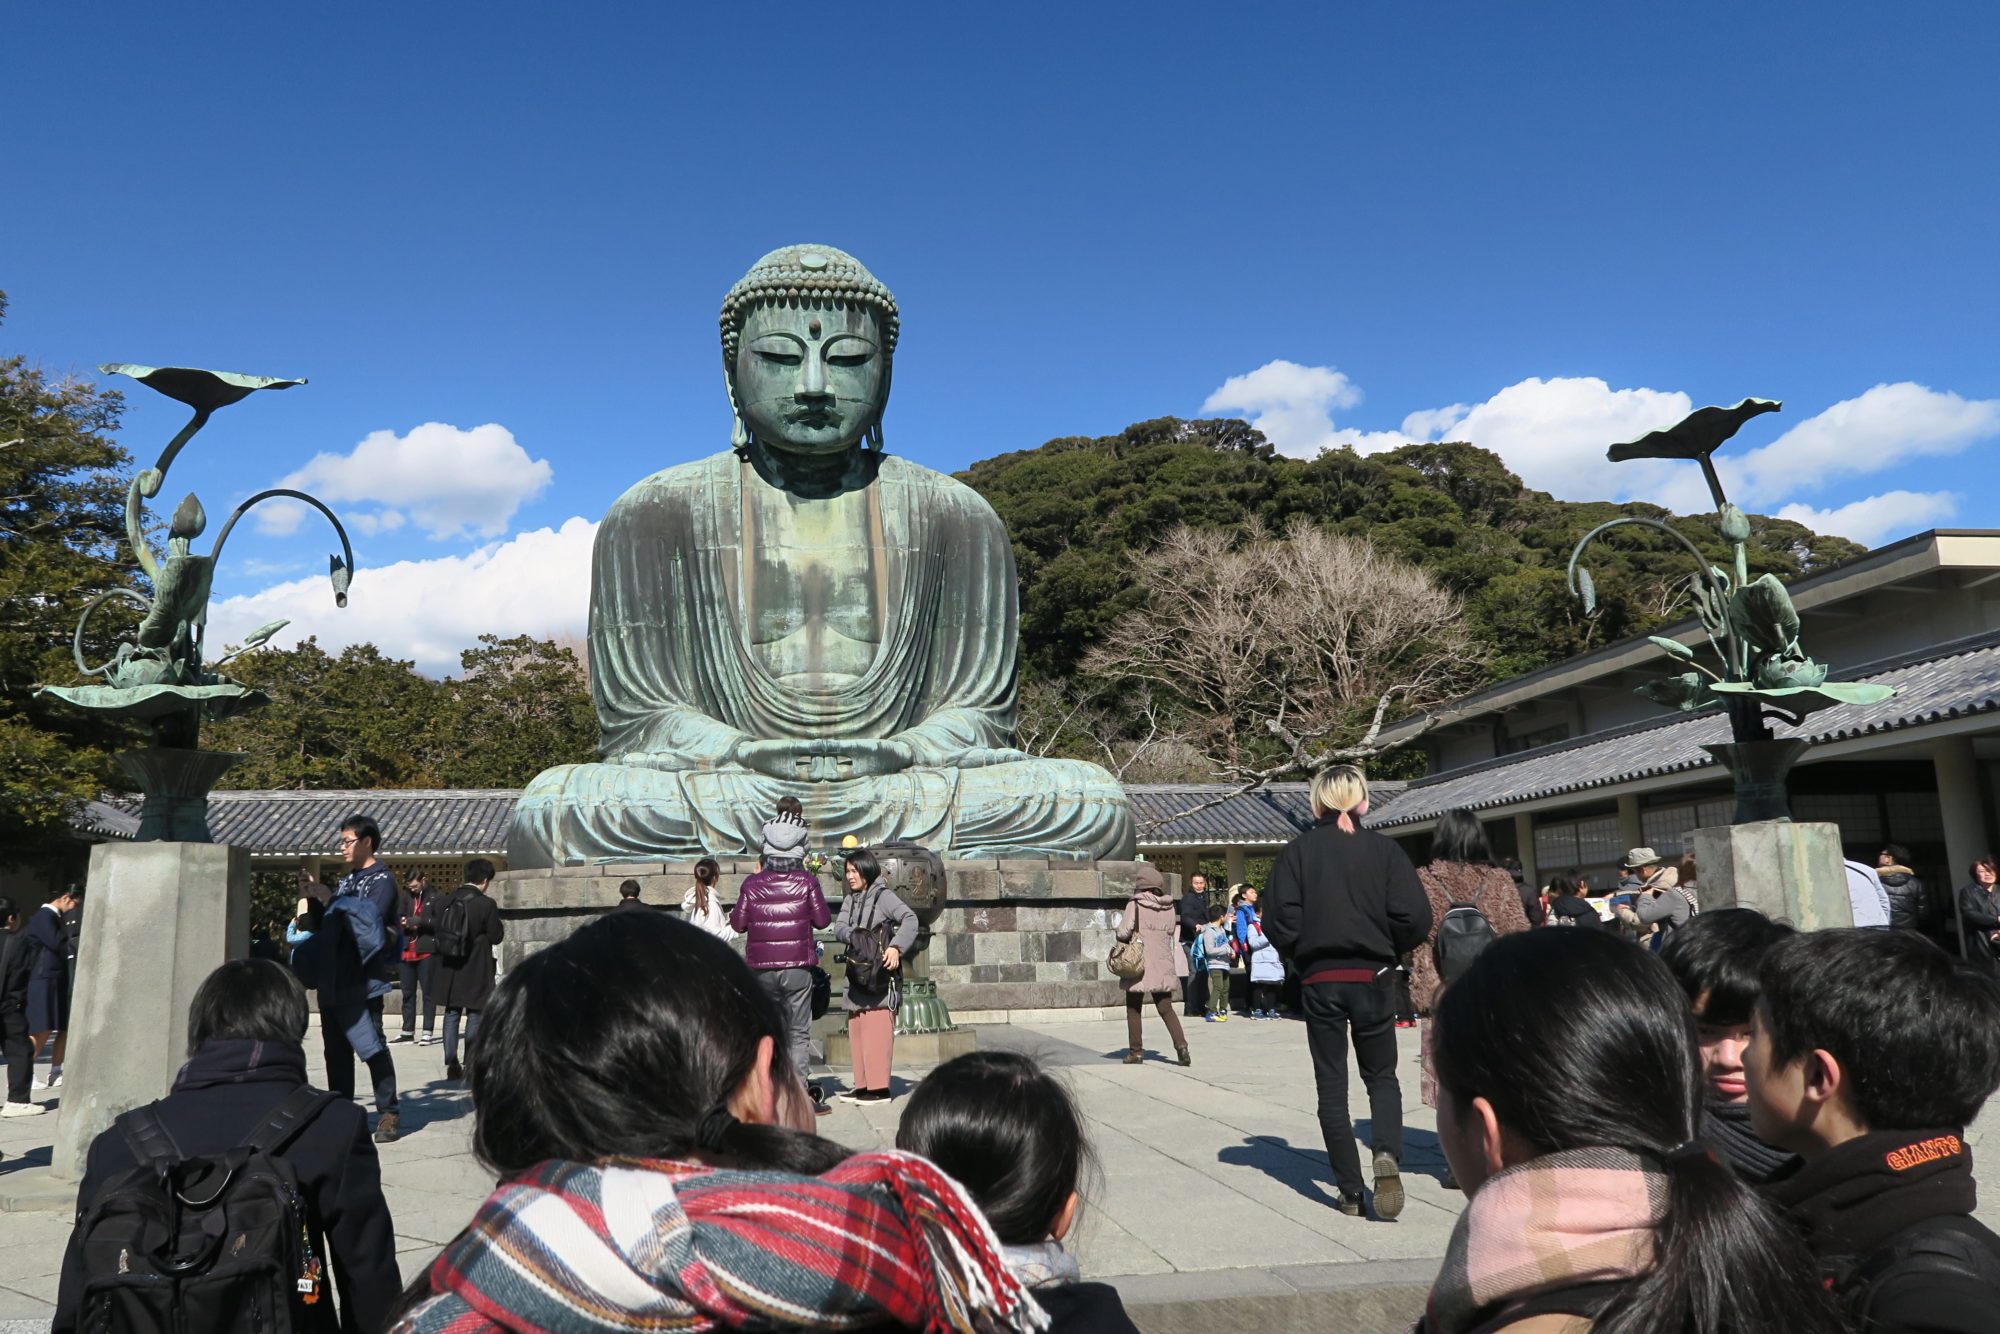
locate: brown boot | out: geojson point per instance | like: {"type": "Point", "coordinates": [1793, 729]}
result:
{"type": "Point", "coordinates": [1186, 1057]}
{"type": "Point", "coordinates": [1134, 1057]}
{"type": "Point", "coordinates": [388, 1128]}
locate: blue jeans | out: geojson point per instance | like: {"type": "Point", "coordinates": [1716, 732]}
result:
{"type": "Point", "coordinates": [451, 1018]}
{"type": "Point", "coordinates": [347, 1026]}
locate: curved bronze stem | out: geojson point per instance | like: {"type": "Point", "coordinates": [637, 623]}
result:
{"type": "Point", "coordinates": [147, 485]}
{"type": "Point", "coordinates": [1701, 567]}
{"type": "Point", "coordinates": [76, 641]}
{"type": "Point", "coordinates": [215, 552]}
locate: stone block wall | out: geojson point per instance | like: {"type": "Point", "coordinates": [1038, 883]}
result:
{"type": "Point", "coordinates": [1014, 935]}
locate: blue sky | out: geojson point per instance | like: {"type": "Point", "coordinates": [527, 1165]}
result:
{"type": "Point", "coordinates": [1538, 226]}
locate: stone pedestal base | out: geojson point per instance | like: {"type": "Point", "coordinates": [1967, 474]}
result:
{"type": "Point", "coordinates": [158, 919]}
{"type": "Point", "coordinates": [913, 1051]}
{"type": "Point", "coordinates": [1787, 871]}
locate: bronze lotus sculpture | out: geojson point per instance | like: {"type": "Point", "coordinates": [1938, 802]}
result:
{"type": "Point", "coordinates": [160, 676]}
{"type": "Point", "coordinates": [1751, 625]}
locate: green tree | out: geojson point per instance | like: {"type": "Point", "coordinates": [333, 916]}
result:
{"type": "Point", "coordinates": [361, 719]}
{"type": "Point", "coordinates": [517, 707]}
{"type": "Point", "coordinates": [62, 505]}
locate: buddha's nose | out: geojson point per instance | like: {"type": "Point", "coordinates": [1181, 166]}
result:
{"type": "Point", "coordinates": [812, 378]}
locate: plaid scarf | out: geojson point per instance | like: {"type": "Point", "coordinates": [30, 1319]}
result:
{"type": "Point", "coordinates": [1579, 1216]}
{"type": "Point", "coordinates": [633, 1245]}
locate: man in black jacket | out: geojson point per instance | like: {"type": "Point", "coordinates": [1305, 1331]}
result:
{"type": "Point", "coordinates": [246, 1030]}
{"type": "Point", "coordinates": [1345, 905]}
{"type": "Point", "coordinates": [1870, 1052]}
{"type": "Point", "coordinates": [14, 1043]}
{"type": "Point", "coordinates": [465, 982]}
{"type": "Point", "coordinates": [1192, 911]}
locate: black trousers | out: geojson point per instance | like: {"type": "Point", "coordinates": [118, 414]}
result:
{"type": "Point", "coordinates": [20, 1054]}
{"type": "Point", "coordinates": [413, 977]}
{"type": "Point", "coordinates": [1369, 1010]}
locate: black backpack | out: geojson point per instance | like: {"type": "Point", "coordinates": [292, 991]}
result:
{"type": "Point", "coordinates": [454, 932]}
{"type": "Point", "coordinates": [1463, 932]}
{"type": "Point", "coordinates": [1947, 1246]}
{"type": "Point", "coordinates": [217, 1243]}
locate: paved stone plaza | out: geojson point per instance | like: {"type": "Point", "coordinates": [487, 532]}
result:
{"type": "Point", "coordinates": [1211, 1209]}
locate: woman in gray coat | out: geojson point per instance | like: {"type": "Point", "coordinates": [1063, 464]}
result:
{"type": "Point", "coordinates": [1150, 915]}
{"type": "Point", "coordinates": [871, 1015]}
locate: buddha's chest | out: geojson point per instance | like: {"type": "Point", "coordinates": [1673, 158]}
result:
{"type": "Point", "coordinates": [812, 584]}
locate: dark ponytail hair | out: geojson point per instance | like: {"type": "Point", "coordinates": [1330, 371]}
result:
{"type": "Point", "coordinates": [619, 1042]}
{"type": "Point", "coordinates": [1622, 1070]}
{"type": "Point", "coordinates": [706, 872]}
{"type": "Point", "coordinates": [1007, 1131]}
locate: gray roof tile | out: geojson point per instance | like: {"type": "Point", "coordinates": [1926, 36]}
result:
{"type": "Point", "coordinates": [1952, 681]}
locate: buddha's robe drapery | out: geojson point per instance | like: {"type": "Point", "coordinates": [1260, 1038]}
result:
{"type": "Point", "coordinates": [677, 611]}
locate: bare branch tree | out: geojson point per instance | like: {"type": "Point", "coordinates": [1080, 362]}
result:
{"type": "Point", "coordinates": [1286, 655]}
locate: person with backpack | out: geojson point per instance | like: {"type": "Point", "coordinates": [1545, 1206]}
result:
{"type": "Point", "coordinates": [288, 1171]}
{"type": "Point", "coordinates": [871, 910]}
{"type": "Point", "coordinates": [1243, 910]}
{"type": "Point", "coordinates": [415, 972]}
{"type": "Point", "coordinates": [777, 911]}
{"type": "Point", "coordinates": [1659, 905]}
{"type": "Point", "coordinates": [1213, 950]}
{"type": "Point", "coordinates": [1473, 903]}
{"type": "Point", "coordinates": [352, 961]}
{"type": "Point", "coordinates": [1266, 969]}
{"type": "Point", "coordinates": [1569, 1097]}
{"type": "Point", "coordinates": [1345, 906]}
{"type": "Point", "coordinates": [1870, 1053]}
{"type": "Point", "coordinates": [468, 929]}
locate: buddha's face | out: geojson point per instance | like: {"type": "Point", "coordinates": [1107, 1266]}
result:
{"type": "Point", "coordinates": [810, 380]}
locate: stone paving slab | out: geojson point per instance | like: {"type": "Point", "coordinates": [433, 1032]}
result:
{"type": "Point", "coordinates": [1209, 1206]}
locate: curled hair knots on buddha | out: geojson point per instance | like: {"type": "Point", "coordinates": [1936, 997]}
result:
{"type": "Point", "coordinates": [623, 1041]}
{"type": "Point", "coordinates": [1579, 1040]}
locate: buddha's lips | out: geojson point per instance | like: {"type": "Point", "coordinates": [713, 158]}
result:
{"type": "Point", "coordinates": [813, 417]}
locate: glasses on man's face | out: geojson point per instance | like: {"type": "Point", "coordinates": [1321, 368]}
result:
{"type": "Point", "coordinates": [349, 840]}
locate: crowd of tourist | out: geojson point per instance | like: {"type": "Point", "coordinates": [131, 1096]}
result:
{"type": "Point", "coordinates": [1668, 1120]}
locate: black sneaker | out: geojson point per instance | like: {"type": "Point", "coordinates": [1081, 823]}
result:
{"type": "Point", "coordinates": [453, 1070]}
{"type": "Point", "coordinates": [404, 1037]}
{"type": "Point", "coordinates": [1348, 1204]}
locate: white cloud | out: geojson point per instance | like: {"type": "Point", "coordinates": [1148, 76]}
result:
{"type": "Point", "coordinates": [446, 480]}
{"type": "Point", "coordinates": [1888, 425]}
{"type": "Point", "coordinates": [1880, 518]}
{"type": "Point", "coordinates": [1291, 404]}
{"type": "Point", "coordinates": [368, 524]}
{"type": "Point", "coordinates": [430, 610]}
{"type": "Point", "coordinates": [1554, 432]}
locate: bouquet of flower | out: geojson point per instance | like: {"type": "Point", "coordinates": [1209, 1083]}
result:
{"type": "Point", "coordinates": [816, 862]}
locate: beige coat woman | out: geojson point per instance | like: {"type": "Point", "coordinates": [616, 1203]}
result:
{"type": "Point", "coordinates": [1150, 916]}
